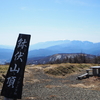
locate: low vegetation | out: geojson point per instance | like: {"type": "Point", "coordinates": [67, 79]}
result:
{"type": "Point", "coordinates": [35, 80]}
{"type": "Point", "coordinates": [65, 68]}
{"type": "Point", "coordinates": [52, 69]}
{"type": "Point", "coordinates": [55, 69]}
{"type": "Point", "coordinates": [79, 58]}
{"type": "Point", "coordinates": [3, 70]}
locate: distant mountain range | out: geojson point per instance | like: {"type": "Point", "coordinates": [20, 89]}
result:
{"type": "Point", "coordinates": [43, 45]}
{"type": "Point", "coordinates": [49, 48]}
{"type": "Point", "coordinates": [56, 57]}
{"type": "Point", "coordinates": [65, 46]}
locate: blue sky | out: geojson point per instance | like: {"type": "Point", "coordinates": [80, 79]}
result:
{"type": "Point", "coordinates": [48, 20]}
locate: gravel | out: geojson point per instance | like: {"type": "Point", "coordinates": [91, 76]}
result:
{"type": "Point", "coordinates": [39, 86]}
{"type": "Point", "coordinates": [52, 88]}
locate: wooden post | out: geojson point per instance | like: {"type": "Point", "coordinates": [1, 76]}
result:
{"type": "Point", "coordinates": [13, 84]}
{"type": "Point", "coordinates": [99, 71]}
{"type": "Point", "coordinates": [94, 72]}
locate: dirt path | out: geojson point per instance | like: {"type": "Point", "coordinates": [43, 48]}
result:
{"type": "Point", "coordinates": [39, 86]}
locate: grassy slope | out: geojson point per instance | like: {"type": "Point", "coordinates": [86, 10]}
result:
{"type": "Point", "coordinates": [52, 69]}
{"type": "Point", "coordinates": [3, 70]}
{"type": "Point", "coordinates": [65, 68]}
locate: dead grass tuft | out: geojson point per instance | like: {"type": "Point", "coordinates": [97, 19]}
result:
{"type": "Point", "coordinates": [84, 86]}
{"type": "Point", "coordinates": [30, 98]}
{"type": "Point", "coordinates": [63, 69]}
{"type": "Point", "coordinates": [53, 96]}
{"type": "Point", "coordinates": [3, 71]}
{"type": "Point", "coordinates": [52, 86]}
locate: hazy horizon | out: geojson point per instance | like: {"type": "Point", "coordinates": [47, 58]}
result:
{"type": "Point", "coordinates": [45, 42]}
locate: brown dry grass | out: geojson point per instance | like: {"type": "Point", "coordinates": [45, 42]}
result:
{"type": "Point", "coordinates": [89, 83]}
{"type": "Point", "coordinates": [65, 68]}
{"type": "Point", "coordinates": [83, 85]}
{"type": "Point", "coordinates": [55, 70]}
{"type": "Point", "coordinates": [3, 71]}
{"type": "Point", "coordinates": [52, 86]}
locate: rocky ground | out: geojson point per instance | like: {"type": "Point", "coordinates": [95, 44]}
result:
{"type": "Point", "coordinates": [40, 86]}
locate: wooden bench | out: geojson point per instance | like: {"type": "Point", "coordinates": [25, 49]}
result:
{"type": "Point", "coordinates": [95, 70]}
{"type": "Point", "coordinates": [83, 76]}
{"type": "Point", "coordinates": [88, 70]}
